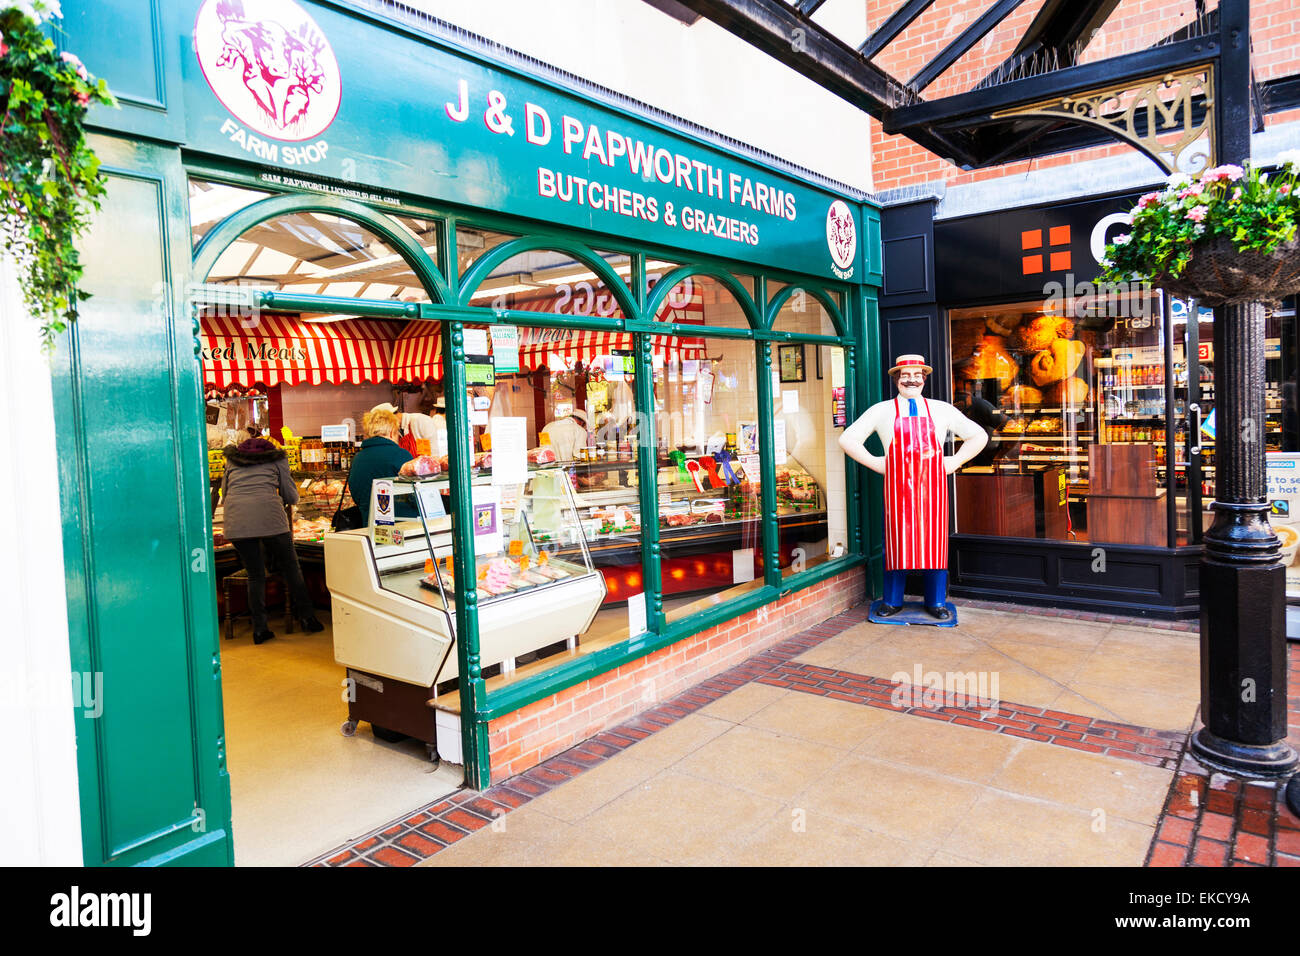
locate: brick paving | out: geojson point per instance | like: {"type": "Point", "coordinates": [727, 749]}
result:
{"type": "Point", "coordinates": [1208, 819]}
{"type": "Point", "coordinates": [1211, 819]}
{"type": "Point", "coordinates": [1157, 748]}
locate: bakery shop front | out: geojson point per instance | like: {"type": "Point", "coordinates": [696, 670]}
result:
{"type": "Point", "coordinates": [1094, 489]}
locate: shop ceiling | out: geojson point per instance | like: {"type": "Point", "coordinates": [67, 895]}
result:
{"type": "Point", "coordinates": [1015, 111]}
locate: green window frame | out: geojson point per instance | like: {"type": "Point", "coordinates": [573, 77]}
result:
{"type": "Point", "coordinates": [451, 294]}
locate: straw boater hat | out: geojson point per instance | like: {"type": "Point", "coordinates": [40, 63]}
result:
{"type": "Point", "coordinates": [910, 361]}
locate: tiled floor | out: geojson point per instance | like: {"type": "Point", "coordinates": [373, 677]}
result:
{"type": "Point", "coordinates": [825, 749]}
{"type": "Point", "coordinates": [297, 784]}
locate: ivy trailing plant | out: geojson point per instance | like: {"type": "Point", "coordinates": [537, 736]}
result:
{"type": "Point", "coordinates": [1224, 213]}
{"type": "Point", "coordinates": [50, 182]}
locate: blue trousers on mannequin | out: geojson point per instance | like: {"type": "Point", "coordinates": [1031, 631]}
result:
{"type": "Point", "coordinates": [936, 587]}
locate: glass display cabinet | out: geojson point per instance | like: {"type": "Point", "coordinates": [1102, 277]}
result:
{"type": "Point", "coordinates": [394, 592]}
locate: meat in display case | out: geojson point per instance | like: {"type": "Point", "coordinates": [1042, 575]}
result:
{"type": "Point", "coordinates": [709, 519]}
{"type": "Point", "coordinates": [393, 593]}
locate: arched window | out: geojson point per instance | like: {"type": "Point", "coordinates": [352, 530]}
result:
{"type": "Point", "coordinates": [554, 282]}
{"type": "Point", "coordinates": [702, 300]}
{"type": "Point", "coordinates": [802, 312]}
{"type": "Point", "coordinates": [321, 253]}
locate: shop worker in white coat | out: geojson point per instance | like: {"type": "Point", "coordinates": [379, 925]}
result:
{"type": "Point", "coordinates": [568, 434]}
{"type": "Point", "coordinates": [912, 430]}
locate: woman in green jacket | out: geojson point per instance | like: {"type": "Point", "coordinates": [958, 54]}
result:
{"type": "Point", "coordinates": [380, 456]}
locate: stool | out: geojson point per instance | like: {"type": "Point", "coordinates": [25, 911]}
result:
{"type": "Point", "coordinates": [240, 581]}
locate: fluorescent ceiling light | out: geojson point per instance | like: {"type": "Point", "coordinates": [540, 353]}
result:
{"type": "Point", "coordinates": [504, 290]}
{"type": "Point", "coordinates": [587, 275]}
{"type": "Point", "coordinates": [327, 317]}
{"type": "Point", "coordinates": [368, 264]}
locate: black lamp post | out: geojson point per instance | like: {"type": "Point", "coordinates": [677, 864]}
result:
{"type": "Point", "coordinates": [1243, 584]}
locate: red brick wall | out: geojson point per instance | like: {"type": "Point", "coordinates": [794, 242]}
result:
{"type": "Point", "coordinates": [1134, 25]}
{"type": "Point", "coordinates": [526, 737]}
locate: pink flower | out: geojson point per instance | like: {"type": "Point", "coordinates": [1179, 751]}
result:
{"type": "Point", "coordinates": [1196, 214]}
{"type": "Point", "coordinates": [83, 98]}
{"type": "Point", "coordinates": [1150, 199]}
{"type": "Point", "coordinates": [1284, 189]}
{"type": "Point", "coordinates": [1221, 173]}
{"type": "Point", "coordinates": [73, 60]}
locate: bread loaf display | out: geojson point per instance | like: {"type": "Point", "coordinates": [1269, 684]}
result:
{"type": "Point", "coordinates": [1070, 391]}
{"type": "Point", "coordinates": [992, 360]}
{"type": "Point", "coordinates": [1022, 395]}
{"type": "Point", "coordinates": [1056, 362]}
{"type": "Point", "coordinates": [1040, 333]}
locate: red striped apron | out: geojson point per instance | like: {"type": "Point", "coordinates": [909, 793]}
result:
{"type": "Point", "coordinates": [916, 495]}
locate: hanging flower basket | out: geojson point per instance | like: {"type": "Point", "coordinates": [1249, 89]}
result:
{"type": "Point", "coordinates": [50, 182]}
{"type": "Point", "coordinates": [1218, 273]}
{"type": "Point", "coordinates": [1232, 235]}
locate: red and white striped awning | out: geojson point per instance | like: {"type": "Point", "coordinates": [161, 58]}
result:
{"type": "Point", "coordinates": [283, 349]}
{"type": "Point", "coordinates": [564, 348]}
{"type": "Point", "coordinates": [417, 353]}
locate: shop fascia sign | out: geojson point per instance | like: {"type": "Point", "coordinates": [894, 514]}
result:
{"type": "Point", "coordinates": [328, 101]}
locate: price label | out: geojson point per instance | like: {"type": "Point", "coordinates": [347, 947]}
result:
{"type": "Point", "coordinates": [446, 563]}
{"type": "Point", "coordinates": [523, 562]}
{"type": "Point", "coordinates": [516, 548]}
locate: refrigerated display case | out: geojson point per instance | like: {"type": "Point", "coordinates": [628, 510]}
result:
{"type": "Point", "coordinates": [709, 520]}
{"type": "Point", "coordinates": [394, 594]}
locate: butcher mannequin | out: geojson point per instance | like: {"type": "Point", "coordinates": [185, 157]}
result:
{"type": "Point", "coordinates": [912, 430]}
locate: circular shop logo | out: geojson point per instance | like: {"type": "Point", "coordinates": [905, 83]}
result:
{"type": "Point", "coordinates": [270, 65]}
{"type": "Point", "coordinates": [841, 234]}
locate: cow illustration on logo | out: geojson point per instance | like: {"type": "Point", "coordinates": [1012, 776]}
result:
{"type": "Point", "coordinates": [841, 234]}
{"type": "Point", "coordinates": [270, 65]}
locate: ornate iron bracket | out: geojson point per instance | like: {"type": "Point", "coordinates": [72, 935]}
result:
{"type": "Point", "coordinates": [1141, 112]}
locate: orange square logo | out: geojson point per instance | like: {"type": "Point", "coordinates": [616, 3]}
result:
{"type": "Point", "coordinates": [1031, 239]}
{"type": "Point", "coordinates": [1060, 261]}
{"type": "Point", "coordinates": [1031, 265]}
{"type": "Point", "coordinates": [1059, 236]}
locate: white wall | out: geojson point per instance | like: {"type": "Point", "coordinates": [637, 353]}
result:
{"type": "Point", "coordinates": [307, 407]}
{"type": "Point", "coordinates": [40, 822]}
{"type": "Point", "coordinates": [701, 73]}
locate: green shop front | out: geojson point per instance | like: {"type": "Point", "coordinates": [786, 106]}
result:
{"type": "Point", "coordinates": [312, 209]}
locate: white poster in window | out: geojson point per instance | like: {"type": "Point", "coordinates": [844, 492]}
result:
{"type": "Point", "coordinates": [790, 401]}
{"type": "Point", "coordinates": [636, 622]}
{"type": "Point", "coordinates": [778, 440]}
{"type": "Point", "coordinates": [476, 342]}
{"type": "Point", "coordinates": [478, 418]}
{"type": "Point", "coordinates": [381, 501]}
{"type": "Point", "coordinates": [742, 565]}
{"type": "Point", "coordinates": [1283, 478]}
{"type": "Point", "coordinates": [837, 367]}
{"type": "Point", "coordinates": [509, 450]}
{"type": "Point", "coordinates": [751, 467]}
{"type": "Point", "coordinates": [485, 509]}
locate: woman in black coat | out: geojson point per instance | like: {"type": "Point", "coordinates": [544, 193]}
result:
{"type": "Point", "coordinates": [254, 490]}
